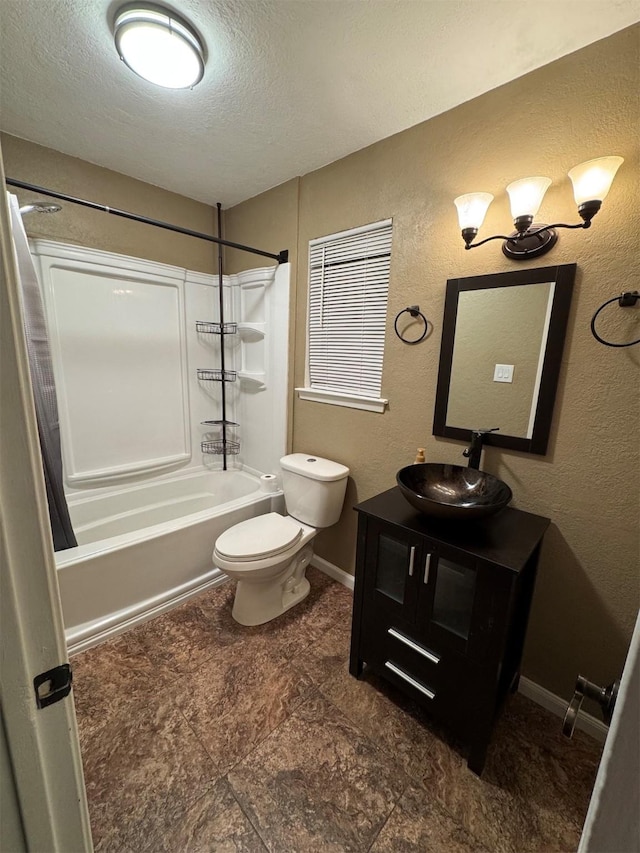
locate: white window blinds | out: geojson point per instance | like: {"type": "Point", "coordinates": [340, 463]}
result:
{"type": "Point", "coordinates": [348, 290]}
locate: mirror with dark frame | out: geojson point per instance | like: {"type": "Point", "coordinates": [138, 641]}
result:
{"type": "Point", "coordinates": [502, 343]}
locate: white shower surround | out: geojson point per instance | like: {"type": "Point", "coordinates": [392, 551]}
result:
{"type": "Point", "coordinates": [91, 364]}
{"type": "Point", "coordinates": [146, 504]}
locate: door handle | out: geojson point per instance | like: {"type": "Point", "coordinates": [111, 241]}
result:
{"type": "Point", "coordinates": [427, 565]}
{"type": "Point", "coordinates": [412, 556]}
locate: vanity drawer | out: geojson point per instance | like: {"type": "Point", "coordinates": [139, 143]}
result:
{"type": "Point", "coordinates": [439, 681]}
{"type": "Point", "coordinates": [426, 690]}
{"type": "Point", "coordinates": [389, 641]}
{"type": "Point", "coordinates": [443, 695]}
{"type": "Point", "coordinates": [415, 656]}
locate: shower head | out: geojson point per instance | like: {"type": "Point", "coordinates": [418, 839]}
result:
{"type": "Point", "coordinates": [39, 207]}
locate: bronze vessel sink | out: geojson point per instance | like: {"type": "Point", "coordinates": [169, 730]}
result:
{"type": "Point", "coordinates": [452, 491]}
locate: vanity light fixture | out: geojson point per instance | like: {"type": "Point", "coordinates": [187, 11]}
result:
{"type": "Point", "coordinates": [591, 183]}
{"type": "Point", "coordinates": [159, 46]}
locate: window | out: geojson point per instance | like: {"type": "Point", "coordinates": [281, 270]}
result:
{"type": "Point", "coordinates": [348, 290]}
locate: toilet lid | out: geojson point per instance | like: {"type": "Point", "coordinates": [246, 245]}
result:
{"type": "Point", "coordinates": [261, 537]}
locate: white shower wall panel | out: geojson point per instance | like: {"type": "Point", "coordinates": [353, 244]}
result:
{"type": "Point", "coordinates": [117, 333]}
{"type": "Point", "coordinates": [261, 306]}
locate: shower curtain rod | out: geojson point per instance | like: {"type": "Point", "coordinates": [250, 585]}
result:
{"type": "Point", "coordinates": [282, 257]}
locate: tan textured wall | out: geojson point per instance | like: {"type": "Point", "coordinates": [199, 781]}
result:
{"type": "Point", "coordinates": [585, 105]}
{"type": "Point", "coordinates": [273, 218]}
{"type": "Point", "coordinates": [501, 325]}
{"type": "Point", "coordinates": [44, 167]}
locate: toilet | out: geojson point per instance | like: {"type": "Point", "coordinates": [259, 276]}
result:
{"type": "Point", "coordinates": [268, 555]}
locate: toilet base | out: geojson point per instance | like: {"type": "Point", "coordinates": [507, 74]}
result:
{"type": "Point", "coordinates": [293, 597]}
{"type": "Point", "coordinates": [252, 608]}
{"type": "Point", "coordinates": [260, 601]}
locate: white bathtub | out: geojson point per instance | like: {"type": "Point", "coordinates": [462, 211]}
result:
{"type": "Point", "coordinates": [143, 549]}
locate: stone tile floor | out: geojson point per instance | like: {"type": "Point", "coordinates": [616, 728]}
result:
{"type": "Point", "coordinates": [200, 735]}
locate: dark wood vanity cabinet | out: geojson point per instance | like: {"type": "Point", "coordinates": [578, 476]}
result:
{"type": "Point", "coordinates": [441, 609]}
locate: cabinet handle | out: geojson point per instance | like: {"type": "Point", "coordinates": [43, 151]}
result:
{"type": "Point", "coordinates": [427, 564]}
{"type": "Point", "coordinates": [412, 556]}
{"type": "Point", "coordinates": [417, 648]}
{"type": "Point", "coordinates": [403, 675]}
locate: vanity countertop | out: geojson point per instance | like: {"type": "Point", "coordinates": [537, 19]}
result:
{"type": "Point", "coordinates": [507, 538]}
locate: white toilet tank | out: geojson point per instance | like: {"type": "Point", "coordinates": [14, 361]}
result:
{"type": "Point", "coordinates": [313, 488]}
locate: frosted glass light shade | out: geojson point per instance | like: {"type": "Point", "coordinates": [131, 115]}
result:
{"type": "Point", "coordinates": [526, 195]}
{"type": "Point", "coordinates": [592, 180]}
{"type": "Point", "coordinates": [159, 47]}
{"type": "Point", "coordinates": [472, 209]}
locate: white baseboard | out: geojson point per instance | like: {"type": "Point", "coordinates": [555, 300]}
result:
{"type": "Point", "coordinates": [333, 571]}
{"type": "Point", "coordinates": [558, 706]}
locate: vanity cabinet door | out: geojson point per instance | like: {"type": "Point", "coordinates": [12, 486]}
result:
{"type": "Point", "coordinates": [437, 596]}
{"type": "Point", "coordinates": [452, 607]}
{"type": "Point", "coordinates": [391, 571]}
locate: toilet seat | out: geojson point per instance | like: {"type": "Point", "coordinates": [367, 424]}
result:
{"type": "Point", "coordinates": [259, 538]}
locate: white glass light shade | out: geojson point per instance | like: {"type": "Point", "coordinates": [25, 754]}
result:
{"type": "Point", "coordinates": [159, 47]}
{"type": "Point", "coordinates": [592, 180]}
{"type": "Point", "coordinates": [526, 195]}
{"type": "Point", "coordinates": [472, 209]}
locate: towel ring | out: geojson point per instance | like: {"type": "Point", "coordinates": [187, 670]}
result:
{"type": "Point", "coordinates": [415, 311]}
{"type": "Point", "coordinates": [625, 300]}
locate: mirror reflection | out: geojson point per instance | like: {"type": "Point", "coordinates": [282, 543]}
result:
{"type": "Point", "coordinates": [497, 357]}
{"type": "Point", "coordinates": [502, 342]}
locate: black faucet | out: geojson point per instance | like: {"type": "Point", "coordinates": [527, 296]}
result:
{"type": "Point", "coordinates": [474, 451]}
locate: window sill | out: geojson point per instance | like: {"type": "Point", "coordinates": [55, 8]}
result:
{"type": "Point", "coordinates": [341, 398]}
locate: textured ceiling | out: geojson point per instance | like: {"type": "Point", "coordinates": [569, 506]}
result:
{"type": "Point", "coordinates": [290, 85]}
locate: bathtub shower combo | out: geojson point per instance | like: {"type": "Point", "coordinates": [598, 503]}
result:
{"type": "Point", "coordinates": [140, 353]}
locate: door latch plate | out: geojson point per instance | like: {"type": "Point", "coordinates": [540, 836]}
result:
{"type": "Point", "coordinates": [53, 685]}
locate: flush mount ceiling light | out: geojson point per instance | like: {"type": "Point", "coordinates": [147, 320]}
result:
{"type": "Point", "coordinates": [591, 183]}
{"type": "Point", "coordinates": [159, 46]}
